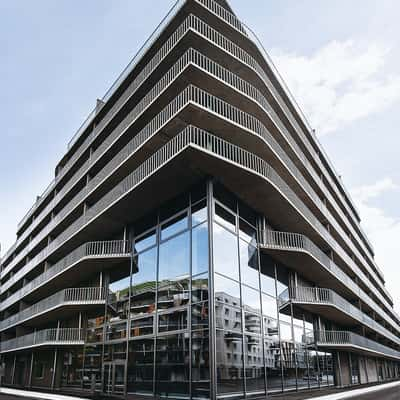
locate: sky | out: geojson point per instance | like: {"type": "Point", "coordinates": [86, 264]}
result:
{"type": "Point", "coordinates": [340, 59]}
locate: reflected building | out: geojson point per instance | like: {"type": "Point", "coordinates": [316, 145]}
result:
{"type": "Point", "coordinates": [195, 242]}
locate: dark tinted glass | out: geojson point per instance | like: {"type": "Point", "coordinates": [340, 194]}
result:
{"type": "Point", "coordinates": [200, 365]}
{"type": "Point", "coordinates": [225, 217]}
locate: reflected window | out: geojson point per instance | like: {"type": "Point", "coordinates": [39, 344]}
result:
{"type": "Point", "coordinates": [252, 323]}
{"type": "Point", "coordinates": [200, 365]}
{"type": "Point", "coordinates": [229, 362]}
{"type": "Point", "coordinates": [140, 366]}
{"type": "Point", "coordinates": [143, 291]}
{"type": "Point", "coordinates": [199, 213]}
{"type": "Point", "coordinates": [200, 316]}
{"type": "Point", "coordinates": [174, 226]}
{"type": "Point", "coordinates": [249, 264]}
{"type": "Point", "coordinates": [142, 326]}
{"type": "Point", "coordinates": [254, 364]}
{"type": "Point", "coordinates": [175, 320]}
{"type": "Point", "coordinates": [225, 249]}
{"type": "Point", "coordinates": [116, 331]}
{"type": "Point", "coordinates": [200, 288]}
{"type": "Point", "coordinates": [227, 291]}
{"type": "Point", "coordinates": [200, 249]}
{"type": "Point", "coordinates": [172, 365]}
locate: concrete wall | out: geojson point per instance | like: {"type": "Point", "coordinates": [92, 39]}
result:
{"type": "Point", "coordinates": [343, 369]}
{"type": "Point", "coordinates": [371, 370]}
{"type": "Point", "coordinates": [363, 370]}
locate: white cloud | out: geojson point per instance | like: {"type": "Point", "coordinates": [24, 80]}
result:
{"type": "Point", "coordinates": [383, 230]}
{"type": "Point", "coordinates": [340, 83]}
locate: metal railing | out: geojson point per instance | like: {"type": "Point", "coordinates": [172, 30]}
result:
{"type": "Point", "coordinates": [100, 249]}
{"type": "Point", "coordinates": [345, 338]}
{"type": "Point", "coordinates": [301, 294]}
{"type": "Point", "coordinates": [298, 242]}
{"type": "Point", "coordinates": [46, 337]}
{"type": "Point", "coordinates": [70, 296]}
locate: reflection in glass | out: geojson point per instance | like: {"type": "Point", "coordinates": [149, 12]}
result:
{"type": "Point", "coordinates": [199, 213]}
{"type": "Point", "coordinates": [116, 331]}
{"type": "Point", "coordinates": [174, 272]}
{"type": "Point", "coordinates": [200, 249]}
{"type": "Point", "coordinates": [145, 241]}
{"type": "Point", "coordinates": [229, 362]}
{"type": "Point", "coordinates": [92, 365]}
{"type": "Point", "coordinates": [200, 316]}
{"type": "Point", "coordinates": [172, 365]}
{"type": "Point", "coordinates": [200, 365]}
{"type": "Point", "coordinates": [247, 232]}
{"type": "Point", "coordinates": [173, 320]}
{"type": "Point", "coordinates": [227, 291]}
{"type": "Point", "coordinates": [267, 276]}
{"type": "Point", "coordinates": [72, 368]}
{"type": "Point", "coordinates": [249, 264]}
{"type": "Point", "coordinates": [142, 326]}
{"type": "Point", "coordinates": [200, 288]}
{"type": "Point", "coordinates": [140, 366]}
{"type": "Point", "coordinates": [225, 217]}
{"type": "Point", "coordinates": [143, 292]}
{"type": "Point", "coordinates": [251, 299]}
{"type": "Point", "coordinates": [254, 364]}
{"type": "Point", "coordinates": [269, 307]}
{"type": "Point", "coordinates": [225, 250]}
{"type": "Point", "coordinates": [252, 323]}
{"type": "Point", "coordinates": [228, 317]}
{"type": "Point", "coordinates": [174, 226]}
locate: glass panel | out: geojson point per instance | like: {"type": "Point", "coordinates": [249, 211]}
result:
{"type": "Point", "coordinates": [302, 371]}
{"type": "Point", "coordinates": [200, 249]}
{"type": "Point", "coordinates": [72, 368]}
{"type": "Point", "coordinates": [142, 326]}
{"type": "Point", "coordinates": [200, 316]}
{"type": "Point", "coordinates": [92, 365]}
{"type": "Point", "coordinates": [200, 365]}
{"type": "Point", "coordinates": [225, 249]}
{"type": "Point", "coordinates": [225, 197]}
{"type": "Point", "coordinates": [249, 264]}
{"type": "Point", "coordinates": [225, 217]}
{"type": "Point", "coordinates": [119, 299]}
{"type": "Point", "coordinates": [269, 307]}
{"type": "Point", "coordinates": [115, 351]}
{"type": "Point", "coordinates": [313, 368]}
{"type": "Point", "coordinates": [227, 291]}
{"type": "Point", "coordinates": [172, 365]}
{"type": "Point", "coordinates": [140, 366]}
{"type": "Point", "coordinates": [251, 300]}
{"type": "Point", "coordinates": [282, 279]}
{"type": "Point", "coordinates": [173, 321]}
{"type": "Point", "coordinates": [254, 364]}
{"type": "Point", "coordinates": [329, 369]}
{"type": "Point", "coordinates": [145, 241]}
{"type": "Point", "coordinates": [174, 272]}
{"type": "Point", "coordinates": [116, 331]}
{"type": "Point", "coordinates": [229, 362]}
{"type": "Point", "coordinates": [252, 323]}
{"type": "Point", "coordinates": [272, 360]}
{"type": "Point", "coordinates": [174, 206]}
{"type": "Point", "coordinates": [200, 288]}
{"type": "Point", "coordinates": [247, 232]}
{"type": "Point", "coordinates": [174, 226]}
{"type": "Point", "coordinates": [143, 292]}
{"type": "Point", "coordinates": [267, 275]}
{"type": "Point", "coordinates": [228, 317]}
{"type": "Point", "coordinates": [199, 213]}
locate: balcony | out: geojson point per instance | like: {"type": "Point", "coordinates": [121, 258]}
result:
{"type": "Point", "coordinates": [68, 299]}
{"type": "Point", "coordinates": [47, 337]}
{"type": "Point", "coordinates": [349, 341]}
{"type": "Point", "coordinates": [332, 306]}
{"type": "Point", "coordinates": [301, 254]}
{"type": "Point", "coordinates": [93, 253]}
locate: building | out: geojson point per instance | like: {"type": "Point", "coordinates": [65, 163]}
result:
{"type": "Point", "coordinates": [196, 241]}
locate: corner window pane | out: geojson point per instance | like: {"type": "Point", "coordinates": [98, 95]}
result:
{"type": "Point", "coordinates": [229, 362]}
{"type": "Point", "coordinates": [225, 249]}
{"type": "Point", "coordinates": [200, 249]}
{"type": "Point", "coordinates": [145, 241]}
{"type": "Point", "coordinates": [200, 288]}
{"type": "Point", "coordinates": [225, 217]}
{"type": "Point", "coordinates": [249, 264]}
{"type": "Point", "coordinates": [247, 232]}
{"type": "Point", "coordinates": [199, 213]}
{"type": "Point", "coordinates": [174, 226]}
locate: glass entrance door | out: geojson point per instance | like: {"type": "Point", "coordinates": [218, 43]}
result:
{"type": "Point", "coordinates": [114, 378]}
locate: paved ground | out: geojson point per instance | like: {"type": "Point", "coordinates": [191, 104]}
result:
{"type": "Point", "coordinates": [388, 394]}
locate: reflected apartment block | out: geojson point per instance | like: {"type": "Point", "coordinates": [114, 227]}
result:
{"type": "Point", "coordinates": [196, 241]}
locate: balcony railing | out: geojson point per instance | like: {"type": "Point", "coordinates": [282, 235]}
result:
{"type": "Point", "coordinates": [101, 249]}
{"type": "Point", "coordinates": [315, 295]}
{"type": "Point", "coordinates": [71, 296]}
{"type": "Point", "coordinates": [338, 339]}
{"type": "Point", "coordinates": [297, 242]}
{"type": "Point", "coordinates": [47, 337]}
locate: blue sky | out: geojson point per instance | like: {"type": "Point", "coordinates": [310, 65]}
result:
{"type": "Point", "coordinates": [341, 60]}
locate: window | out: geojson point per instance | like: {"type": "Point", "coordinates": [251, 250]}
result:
{"type": "Point", "coordinates": [249, 264]}
{"type": "Point", "coordinates": [199, 213]}
{"type": "Point", "coordinates": [225, 217]}
{"type": "Point", "coordinates": [174, 226]}
{"type": "Point", "coordinates": [200, 249]}
{"type": "Point", "coordinates": [39, 370]}
{"type": "Point", "coordinates": [225, 252]}
{"type": "Point", "coordinates": [145, 241]}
